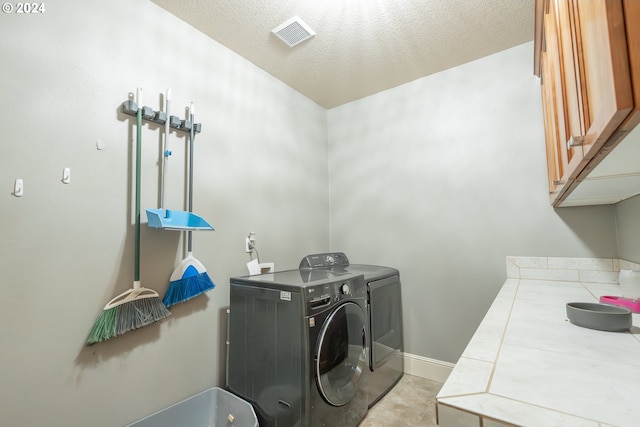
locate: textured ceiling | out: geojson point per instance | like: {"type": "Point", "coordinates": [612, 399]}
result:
{"type": "Point", "coordinates": [361, 46]}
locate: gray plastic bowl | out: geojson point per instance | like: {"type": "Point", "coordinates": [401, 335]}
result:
{"type": "Point", "coordinates": [602, 317]}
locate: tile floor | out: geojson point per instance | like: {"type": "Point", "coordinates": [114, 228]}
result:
{"type": "Point", "coordinates": [411, 403]}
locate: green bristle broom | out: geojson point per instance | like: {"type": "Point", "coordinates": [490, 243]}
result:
{"type": "Point", "coordinates": [136, 307]}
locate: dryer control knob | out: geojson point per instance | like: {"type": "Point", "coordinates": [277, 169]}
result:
{"type": "Point", "coordinates": [344, 289]}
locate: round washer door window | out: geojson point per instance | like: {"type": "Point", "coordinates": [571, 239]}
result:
{"type": "Point", "coordinates": [341, 354]}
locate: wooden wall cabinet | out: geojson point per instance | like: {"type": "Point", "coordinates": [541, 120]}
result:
{"type": "Point", "coordinates": [587, 55]}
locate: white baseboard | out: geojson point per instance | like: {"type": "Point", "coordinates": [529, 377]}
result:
{"type": "Point", "coordinates": [424, 367]}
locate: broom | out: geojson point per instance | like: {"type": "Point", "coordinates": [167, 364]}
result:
{"type": "Point", "coordinates": [190, 278]}
{"type": "Point", "coordinates": [136, 307]}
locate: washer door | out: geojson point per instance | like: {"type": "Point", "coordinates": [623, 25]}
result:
{"type": "Point", "coordinates": [341, 354]}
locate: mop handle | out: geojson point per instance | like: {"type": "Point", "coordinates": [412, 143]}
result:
{"type": "Point", "coordinates": [192, 135]}
{"type": "Point", "coordinates": [136, 268]}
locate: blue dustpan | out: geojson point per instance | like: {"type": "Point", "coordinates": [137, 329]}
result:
{"type": "Point", "coordinates": [176, 220]}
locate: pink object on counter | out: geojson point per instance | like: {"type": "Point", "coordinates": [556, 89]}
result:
{"type": "Point", "coordinates": [631, 304]}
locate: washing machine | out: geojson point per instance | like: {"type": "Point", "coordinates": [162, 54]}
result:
{"type": "Point", "coordinates": [297, 347]}
{"type": "Point", "coordinates": [384, 302]}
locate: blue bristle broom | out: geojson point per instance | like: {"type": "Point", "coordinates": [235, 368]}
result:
{"type": "Point", "coordinates": [189, 279]}
{"type": "Point", "coordinates": [138, 306]}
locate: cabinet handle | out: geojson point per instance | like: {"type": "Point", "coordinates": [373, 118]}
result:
{"type": "Point", "coordinates": [575, 141]}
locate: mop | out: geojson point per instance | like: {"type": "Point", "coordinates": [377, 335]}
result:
{"type": "Point", "coordinates": [190, 278]}
{"type": "Point", "coordinates": [138, 306]}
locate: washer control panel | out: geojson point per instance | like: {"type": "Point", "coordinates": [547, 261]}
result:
{"type": "Point", "coordinates": [320, 296]}
{"type": "Point", "coordinates": [325, 260]}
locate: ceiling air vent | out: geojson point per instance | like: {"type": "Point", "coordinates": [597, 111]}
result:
{"type": "Point", "coordinates": [293, 31]}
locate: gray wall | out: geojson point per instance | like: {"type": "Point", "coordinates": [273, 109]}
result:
{"type": "Point", "coordinates": [627, 214]}
{"type": "Point", "coordinates": [443, 178]}
{"type": "Point", "coordinates": [65, 250]}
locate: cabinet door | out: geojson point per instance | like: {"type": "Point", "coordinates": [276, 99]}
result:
{"type": "Point", "coordinates": [602, 69]}
{"type": "Point", "coordinates": [567, 41]}
{"type": "Point", "coordinates": [562, 162]}
{"type": "Point", "coordinates": [555, 162]}
{"type": "Point", "coordinates": [632, 18]}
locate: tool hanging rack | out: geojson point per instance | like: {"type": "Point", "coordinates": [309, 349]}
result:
{"type": "Point", "coordinates": [167, 219]}
{"type": "Point", "coordinates": [160, 117]}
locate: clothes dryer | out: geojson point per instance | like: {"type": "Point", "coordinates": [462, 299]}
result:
{"type": "Point", "coordinates": [297, 347]}
{"type": "Point", "coordinates": [384, 308]}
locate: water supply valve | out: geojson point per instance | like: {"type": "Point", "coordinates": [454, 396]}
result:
{"type": "Point", "coordinates": [250, 242]}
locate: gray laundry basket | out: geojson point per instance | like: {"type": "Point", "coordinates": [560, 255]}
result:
{"type": "Point", "coordinates": [214, 407]}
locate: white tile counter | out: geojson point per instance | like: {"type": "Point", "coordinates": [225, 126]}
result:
{"type": "Point", "coordinates": [527, 365]}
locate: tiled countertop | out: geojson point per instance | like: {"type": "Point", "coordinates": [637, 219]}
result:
{"type": "Point", "coordinates": [527, 365]}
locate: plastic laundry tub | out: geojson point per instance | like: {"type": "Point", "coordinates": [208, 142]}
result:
{"type": "Point", "coordinates": [214, 407]}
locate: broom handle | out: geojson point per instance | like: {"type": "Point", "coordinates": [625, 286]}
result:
{"type": "Point", "coordinates": [136, 265]}
{"type": "Point", "coordinates": [165, 143]}
{"type": "Point", "coordinates": [191, 139]}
